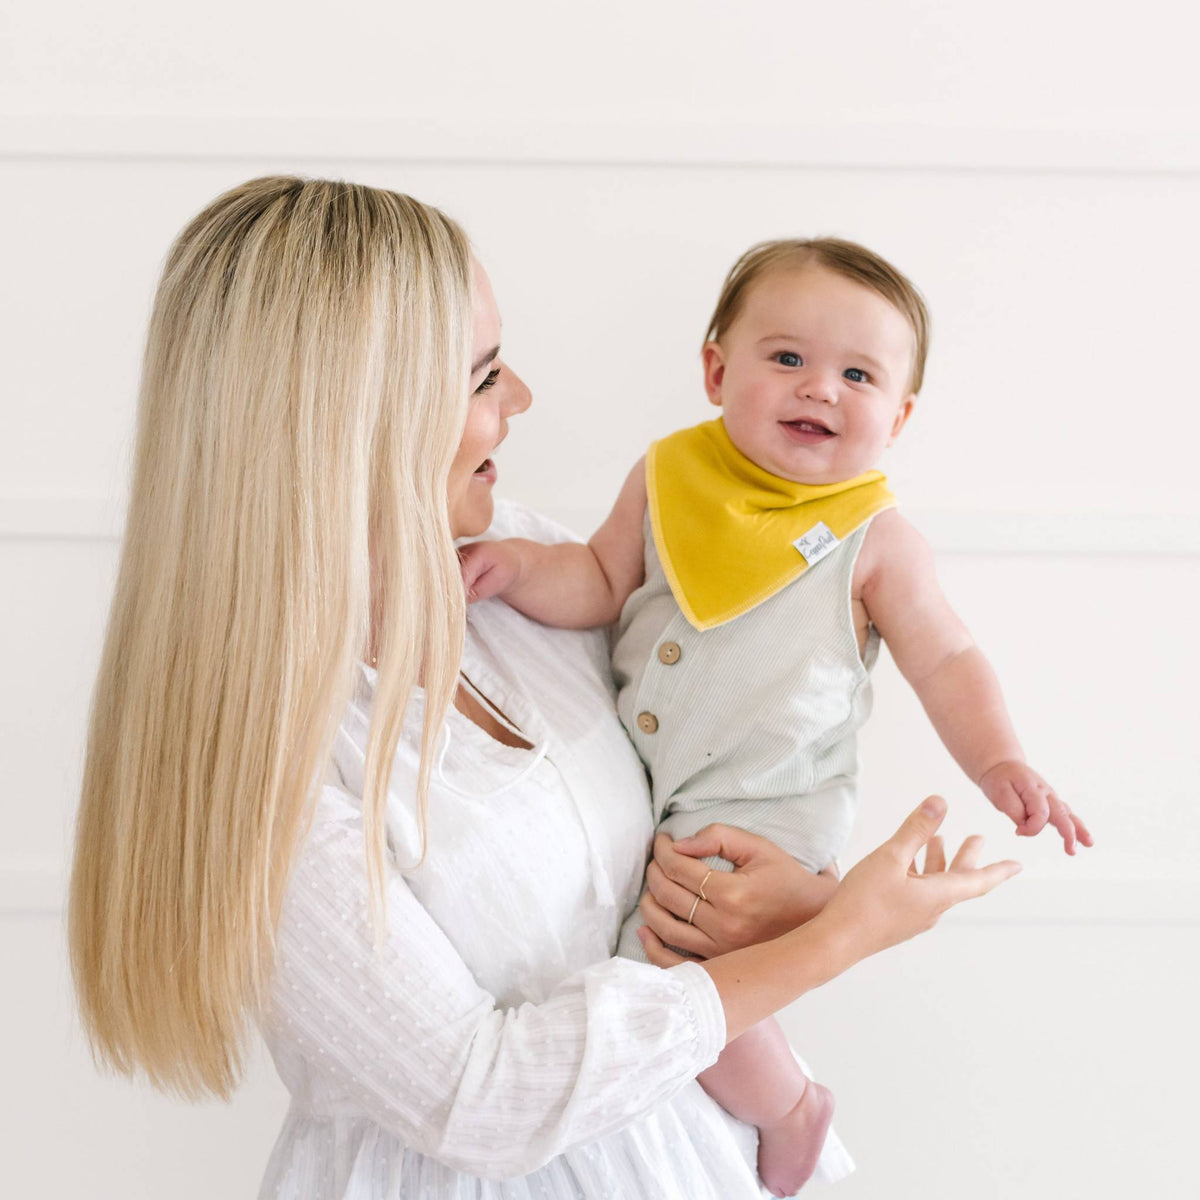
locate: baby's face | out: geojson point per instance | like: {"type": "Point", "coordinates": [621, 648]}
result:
{"type": "Point", "coordinates": [812, 377]}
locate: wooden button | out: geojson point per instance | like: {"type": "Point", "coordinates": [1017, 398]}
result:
{"type": "Point", "coordinates": [668, 653]}
{"type": "Point", "coordinates": [647, 722]}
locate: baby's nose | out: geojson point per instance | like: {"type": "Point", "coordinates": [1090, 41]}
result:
{"type": "Point", "coordinates": [820, 388]}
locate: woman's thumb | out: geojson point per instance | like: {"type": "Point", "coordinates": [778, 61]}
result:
{"type": "Point", "coordinates": [720, 841]}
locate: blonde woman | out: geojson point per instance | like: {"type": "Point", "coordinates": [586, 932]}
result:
{"type": "Point", "coordinates": [321, 799]}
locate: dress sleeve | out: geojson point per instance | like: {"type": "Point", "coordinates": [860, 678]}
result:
{"type": "Point", "coordinates": [408, 1038]}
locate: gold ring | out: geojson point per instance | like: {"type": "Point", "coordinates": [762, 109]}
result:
{"type": "Point", "coordinates": [695, 905]}
{"type": "Point", "coordinates": [702, 883]}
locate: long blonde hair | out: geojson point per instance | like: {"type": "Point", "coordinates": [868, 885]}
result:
{"type": "Point", "coordinates": [304, 390]}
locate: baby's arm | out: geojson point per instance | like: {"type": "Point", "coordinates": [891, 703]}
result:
{"type": "Point", "coordinates": [898, 585]}
{"type": "Point", "coordinates": [567, 585]}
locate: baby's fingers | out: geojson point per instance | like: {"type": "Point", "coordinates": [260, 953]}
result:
{"type": "Point", "coordinates": [483, 581]}
{"type": "Point", "coordinates": [1007, 801]}
{"type": "Point", "coordinates": [1060, 818]}
{"type": "Point", "coordinates": [1081, 831]}
{"type": "Point", "coordinates": [1037, 809]}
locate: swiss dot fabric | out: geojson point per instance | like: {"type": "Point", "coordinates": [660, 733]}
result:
{"type": "Point", "coordinates": [495, 1049]}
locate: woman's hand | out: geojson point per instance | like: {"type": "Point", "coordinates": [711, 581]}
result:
{"type": "Point", "coordinates": [885, 899]}
{"type": "Point", "coordinates": [766, 894]}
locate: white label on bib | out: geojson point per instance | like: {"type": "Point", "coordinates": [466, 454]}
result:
{"type": "Point", "coordinates": [816, 543]}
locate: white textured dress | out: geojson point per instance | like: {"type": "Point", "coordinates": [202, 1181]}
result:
{"type": "Point", "coordinates": [495, 1048]}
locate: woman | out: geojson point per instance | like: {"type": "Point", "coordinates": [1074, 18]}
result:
{"type": "Point", "coordinates": [319, 797]}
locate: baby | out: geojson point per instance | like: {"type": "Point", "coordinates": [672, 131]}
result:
{"type": "Point", "coordinates": [754, 563]}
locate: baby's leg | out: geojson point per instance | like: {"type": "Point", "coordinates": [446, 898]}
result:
{"type": "Point", "coordinates": [757, 1080]}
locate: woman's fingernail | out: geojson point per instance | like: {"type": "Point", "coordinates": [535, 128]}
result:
{"type": "Point", "coordinates": [687, 841]}
{"type": "Point", "coordinates": [932, 807]}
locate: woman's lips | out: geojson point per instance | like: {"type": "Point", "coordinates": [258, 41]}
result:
{"type": "Point", "coordinates": [807, 433]}
{"type": "Point", "coordinates": [486, 471]}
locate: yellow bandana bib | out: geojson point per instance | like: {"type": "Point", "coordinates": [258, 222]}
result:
{"type": "Point", "coordinates": [729, 534]}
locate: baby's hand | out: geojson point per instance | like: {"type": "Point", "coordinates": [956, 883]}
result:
{"type": "Point", "coordinates": [488, 568]}
{"type": "Point", "coordinates": [1019, 792]}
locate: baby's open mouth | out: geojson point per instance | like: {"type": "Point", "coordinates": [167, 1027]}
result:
{"type": "Point", "coordinates": [810, 427]}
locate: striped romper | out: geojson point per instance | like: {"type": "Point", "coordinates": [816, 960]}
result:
{"type": "Point", "coordinates": [751, 723]}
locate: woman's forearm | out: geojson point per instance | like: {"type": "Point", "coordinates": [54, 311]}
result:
{"type": "Point", "coordinates": [759, 980]}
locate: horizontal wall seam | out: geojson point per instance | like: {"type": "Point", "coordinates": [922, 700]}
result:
{"type": "Point", "coordinates": [536, 140]}
{"type": "Point", "coordinates": [949, 531]}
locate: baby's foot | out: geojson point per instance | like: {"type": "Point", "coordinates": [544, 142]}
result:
{"type": "Point", "coordinates": [789, 1148]}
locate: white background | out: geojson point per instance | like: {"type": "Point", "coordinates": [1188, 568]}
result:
{"type": "Point", "coordinates": [1035, 167]}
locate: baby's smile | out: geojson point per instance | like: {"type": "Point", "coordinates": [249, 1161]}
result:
{"type": "Point", "coordinates": [807, 432]}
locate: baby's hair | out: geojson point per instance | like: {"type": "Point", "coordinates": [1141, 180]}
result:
{"type": "Point", "coordinates": [848, 259]}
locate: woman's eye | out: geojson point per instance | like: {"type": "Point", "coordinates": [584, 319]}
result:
{"type": "Point", "coordinates": [856, 375]}
{"type": "Point", "coordinates": [788, 358]}
{"type": "Point", "coordinates": [489, 379]}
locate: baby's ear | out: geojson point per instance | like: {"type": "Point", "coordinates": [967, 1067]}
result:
{"type": "Point", "coordinates": [713, 358]}
{"type": "Point", "coordinates": [902, 415]}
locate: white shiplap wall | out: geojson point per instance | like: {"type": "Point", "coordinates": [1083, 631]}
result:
{"type": "Point", "coordinates": [1040, 1045]}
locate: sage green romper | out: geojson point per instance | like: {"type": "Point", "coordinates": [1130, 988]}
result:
{"type": "Point", "coordinates": [752, 723]}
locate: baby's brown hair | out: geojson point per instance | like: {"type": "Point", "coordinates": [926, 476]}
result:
{"type": "Point", "coordinates": [848, 259]}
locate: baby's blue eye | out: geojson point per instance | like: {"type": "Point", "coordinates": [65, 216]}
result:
{"type": "Point", "coordinates": [788, 359]}
{"type": "Point", "coordinates": [855, 375]}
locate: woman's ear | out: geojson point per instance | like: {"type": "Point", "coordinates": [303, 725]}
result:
{"type": "Point", "coordinates": [902, 415]}
{"type": "Point", "coordinates": [713, 358]}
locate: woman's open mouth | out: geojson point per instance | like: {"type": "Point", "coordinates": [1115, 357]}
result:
{"type": "Point", "coordinates": [807, 433]}
{"type": "Point", "coordinates": [486, 471]}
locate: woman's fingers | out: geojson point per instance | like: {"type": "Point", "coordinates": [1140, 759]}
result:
{"type": "Point", "coordinates": [935, 855]}
{"type": "Point", "coordinates": [688, 872]}
{"type": "Point", "coordinates": [656, 952]}
{"type": "Point", "coordinates": [722, 841]}
{"type": "Point", "coordinates": [672, 930]}
{"type": "Point", "coordinates": [965, 885]}
{"type": "Point", "coordinates": [968, 854]}
{"type": "Point", "coordinates": [918, 828]}
{"type": "Point", "coordinates": [675, 898]}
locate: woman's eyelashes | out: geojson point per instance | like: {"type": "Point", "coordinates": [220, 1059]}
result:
{"type": "Point", "coordinates": [488, 380]}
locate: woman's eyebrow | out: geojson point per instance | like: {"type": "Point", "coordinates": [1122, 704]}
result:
{"type": "Point", "coordinates": [484, 359]}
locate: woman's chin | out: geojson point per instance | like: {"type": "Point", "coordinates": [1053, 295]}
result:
{"type": "Point", "coordinates": [473, 516]}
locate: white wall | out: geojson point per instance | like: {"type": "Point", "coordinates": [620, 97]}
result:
{"type": "Point", "coordinates": [1037, 175]}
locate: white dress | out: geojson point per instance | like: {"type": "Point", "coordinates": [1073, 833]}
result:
{"type": "Point", "coordinates": [494, 1048]}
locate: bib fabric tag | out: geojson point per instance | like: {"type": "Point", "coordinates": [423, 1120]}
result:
{"type": "Point", "coordinates": [816, 543]}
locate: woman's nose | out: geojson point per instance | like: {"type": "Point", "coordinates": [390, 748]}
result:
{"type": "Point", "coordinates": [517, 396]}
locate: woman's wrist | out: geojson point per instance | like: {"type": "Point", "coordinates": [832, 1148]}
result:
{"type": "Point", "coordinates": [759, 980]}
{"type": "Point", "coordinates": [809, 897]}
